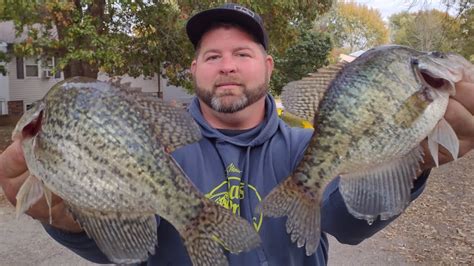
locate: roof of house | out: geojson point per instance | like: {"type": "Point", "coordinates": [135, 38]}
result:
{"type": "Point", "coordinates": [8, 32]}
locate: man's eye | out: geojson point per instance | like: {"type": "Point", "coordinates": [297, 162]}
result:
{"type": "Point", "coordinates": [243, 55]}
{"type": "Point", "coordinates": [212, 57]}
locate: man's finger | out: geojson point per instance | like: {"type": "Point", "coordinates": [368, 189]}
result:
{"type": "Point", "coordinates": [460, 119]}
{"type": "Point", "coordinates": [12, 162]}
{"type": "Point", "coordinates": [465, 95]}
{"type": "Point", "coordinates": [11, 186]}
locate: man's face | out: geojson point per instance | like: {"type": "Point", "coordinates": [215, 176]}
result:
{"type": "Point", "coordinates": [231, 70]}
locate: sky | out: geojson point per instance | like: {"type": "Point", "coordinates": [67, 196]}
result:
{"type": "Point", "coordinates": [388, 8]}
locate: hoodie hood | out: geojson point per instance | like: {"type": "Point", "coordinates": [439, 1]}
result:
{"type": "Point", "coordinates": [253, 137]}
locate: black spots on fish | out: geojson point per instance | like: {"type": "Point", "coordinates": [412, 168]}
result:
{"type": "Point", "coordinates": [59, 123]}
{"type": "Point", "coordinates": [161, 182]}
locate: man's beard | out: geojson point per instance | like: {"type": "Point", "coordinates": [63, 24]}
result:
{"type": "Point", "coordinates": [219, 104]}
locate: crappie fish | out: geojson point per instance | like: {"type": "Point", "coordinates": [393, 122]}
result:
{"type": "Point", "coordinates": [368, 130]}
{"type": "Point", "coordinates": [105, 152]}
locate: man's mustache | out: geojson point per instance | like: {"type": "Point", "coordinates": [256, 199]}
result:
{"type": "Point", "coordinates": [227, 80]}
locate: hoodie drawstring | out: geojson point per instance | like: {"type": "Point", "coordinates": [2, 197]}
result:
{"type": "Point", "coordinates": [260, 252]}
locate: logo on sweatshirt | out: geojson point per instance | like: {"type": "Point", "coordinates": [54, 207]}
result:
{"type": "Point", "coordinates": [232, 191]}
{"type": "Point", "coordinates": [232, 169]}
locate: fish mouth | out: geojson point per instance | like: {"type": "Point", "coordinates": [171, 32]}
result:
{"type": "Point", "coordinates": [33, 127]}
{"type": "Point", "coordinates": [432, 77]}
{"type": "Point", "coordinates": [432, 81]}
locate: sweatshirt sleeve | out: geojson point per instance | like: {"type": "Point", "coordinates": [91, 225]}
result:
{"type": "Point", "coordinates": [78, 243]}
{"type": "Point", "coordinates": [337, 221]}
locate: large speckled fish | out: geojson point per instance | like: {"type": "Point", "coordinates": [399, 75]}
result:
{"type": "Point", "coordinates": [368, 129]}
{"type": "Point", "coordinates": [105, 151]}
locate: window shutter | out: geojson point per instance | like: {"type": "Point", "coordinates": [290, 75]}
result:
{"type": "Point", "coordinates": [20, 71]}
{"type": "Point", "coordinates": [58, 72]}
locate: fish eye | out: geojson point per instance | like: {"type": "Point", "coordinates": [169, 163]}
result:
{"type": "Point", "coordinates": [438, 54]}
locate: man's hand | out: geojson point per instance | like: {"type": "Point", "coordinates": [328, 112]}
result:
{"type": "Point", "coordinates": [460, 115]}
{"type": "Point", "coordinates": [13, 173]}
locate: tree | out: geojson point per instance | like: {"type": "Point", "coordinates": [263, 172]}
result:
{"type": "Point", "coordinates": [136, 37]}
{"type": "Point", "coordinates": [425, 30]}
{"type": "Point", "coordinates": [306, 56]}
{"type": "Point", "coordinates": [354, 26]}
{"type": "Point", "coordinates": [89, 35]}
{"type": "Point", "coordinates": [466, 39]}
{"type": "Point", "coordinates": [451, 30]}
{"type": "Point", "coordinates": [3, 60]}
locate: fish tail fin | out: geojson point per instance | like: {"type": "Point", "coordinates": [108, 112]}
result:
{"type": "Point", "coordinates": [302, 208]}
{"type": "Point", "coordinates": [217, 226]}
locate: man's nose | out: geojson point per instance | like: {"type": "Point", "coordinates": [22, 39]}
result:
{"type": "Point", "coordinates": [228, 65]}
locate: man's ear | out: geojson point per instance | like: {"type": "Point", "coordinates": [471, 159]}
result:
{"type": "Point", "coordinates": [193, 67]}
{"type": "Point", "coordinates": [270, 64]}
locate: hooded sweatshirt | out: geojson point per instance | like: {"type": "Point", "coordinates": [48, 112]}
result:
{"type": "Point", "coordinates": [237, 169]}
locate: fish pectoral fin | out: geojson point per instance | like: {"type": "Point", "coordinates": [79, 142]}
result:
{"type": "Point", "coordinates": [301, 206]}
{"type": "Point", "coordinates": [383, 190]}
{"type": "Point", "coordinates": [29, 193]}
{"type": "Point", "coordinates": [217, 226]}
{"type": "Point", "coordinates": [444, 135]}
{"type": "Point", "coordinates": [125, 238]}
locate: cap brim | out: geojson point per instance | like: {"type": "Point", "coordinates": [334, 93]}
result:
{"type": "Point", "coordinates": [198, 24]}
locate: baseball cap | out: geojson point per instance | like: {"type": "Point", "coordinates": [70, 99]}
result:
{"type": "Point", "coordinates": [250, 21]}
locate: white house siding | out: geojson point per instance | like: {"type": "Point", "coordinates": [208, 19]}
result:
{"type": "Point", "coordinates": [178, 94]}
{"type": "Point", "coordinates": [29, 89]}
{"type": "Point", "coordinates": [150, 85]}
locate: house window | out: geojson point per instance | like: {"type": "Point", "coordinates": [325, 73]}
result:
{"type": "Point", "coordinates": [34, 67]}
{"type": "Point", "coordinates": [48, 66]}
{"type": "Point", "coordinates": [49, 63]}
{"type": "Point", "coordinates": [31, 67]}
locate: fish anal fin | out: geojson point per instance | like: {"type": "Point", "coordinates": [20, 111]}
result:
{"type": "Point", "coordinates": [29, 193]}
{"type": "Point", "coordinates": [125, 238]}
{"type": "Point", "coordinates": [444, 135]}
{"type": "Point", "coordinates": [215, 227]}
{"type": "Point", "coordinates": [383, 190]}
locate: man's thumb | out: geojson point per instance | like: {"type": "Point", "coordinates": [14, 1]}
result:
{"type": "Point", "coordinates": [12, 161]}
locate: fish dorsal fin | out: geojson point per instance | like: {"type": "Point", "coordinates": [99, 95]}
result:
{"type": "Point", "coordinates": [444, 135]}
{"type": "Point", "coordinates": [173, 125]}
{"type": "Point", "coordinates": [302, 97]}
{"type": "Point", "coordinates": [383, 190]}
{"type": "Point", "coordinates": [125, 238]}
